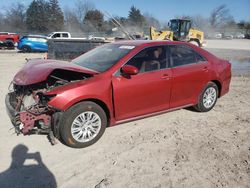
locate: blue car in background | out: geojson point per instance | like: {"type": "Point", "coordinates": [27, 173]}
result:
{"type": "Point", "coordinates": [33, 43]}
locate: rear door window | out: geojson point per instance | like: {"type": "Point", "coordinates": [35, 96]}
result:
{"type": "Point", "coordinates": [183, 55]}
{"type": "Point", "coordinates": [65, 35]}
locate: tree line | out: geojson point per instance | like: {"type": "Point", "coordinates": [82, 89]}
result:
{"type": "Point", "coordinates": [44, 16]}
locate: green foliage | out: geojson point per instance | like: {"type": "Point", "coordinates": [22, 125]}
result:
{"type": "Point", "coordinates": [135, 17]}
{"type": "Point", "coordinates": [94, 19]}
{"type": "Point", "coordinates": [56, 19]}
{"type": "Point", "coordinates": [43, 16]}
{"type": "Point", "coordinates": [37, 16]}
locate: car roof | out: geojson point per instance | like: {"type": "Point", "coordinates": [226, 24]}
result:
{"type": "Point", "coordinates": [58, 32]}
{"type": "Point", "coordinates": [147, 42]}
{"type": "Point", "coordinates": [35, 36]}
{"type": "Point", "coordinates": [152, 43]}
{"type": "Point", "coordinates": [6, 33]}
{"type": "Point", "coordinates": [185, 19]}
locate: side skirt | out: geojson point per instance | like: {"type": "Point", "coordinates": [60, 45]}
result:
{"type": "Point", "coordinates": [151, 114]}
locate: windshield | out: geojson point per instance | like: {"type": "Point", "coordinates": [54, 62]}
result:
{"type": "Point", "coordinates": [49, 35]}
{"type": "Point", "coordinates": [102, 58]}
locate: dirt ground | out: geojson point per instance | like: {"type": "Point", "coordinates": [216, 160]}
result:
{"type": "Point", "coordinates": [239, 44]}
{"type": "Point", "coordinates": [177, 149]}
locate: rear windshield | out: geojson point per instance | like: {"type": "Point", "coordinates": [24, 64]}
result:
{"type": "Point", "coordinates": [102, 58]}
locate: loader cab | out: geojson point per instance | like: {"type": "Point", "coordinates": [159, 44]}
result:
{"type": "Point", "coordinates": [180, 28]}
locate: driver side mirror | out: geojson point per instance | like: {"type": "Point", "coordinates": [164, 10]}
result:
{"type": "Point", "coordinates": [129, 70]}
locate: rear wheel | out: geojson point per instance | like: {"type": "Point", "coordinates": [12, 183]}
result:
{"type": "Point", "coordinates": [26, 49]}
{"type": "Point", "coordinates": [207, 98]}
{"type": "Point", "coordinates": [83, 124]}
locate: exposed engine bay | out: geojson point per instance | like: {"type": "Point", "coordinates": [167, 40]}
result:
{"type": "Point", "coordinates": [28, 103]}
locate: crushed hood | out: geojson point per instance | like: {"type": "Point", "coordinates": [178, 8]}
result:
{"type": "Point", "coordinates": [38, 70]}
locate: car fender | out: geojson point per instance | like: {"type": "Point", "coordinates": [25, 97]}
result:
{"type": "Point", "coordinates": [71, 94]}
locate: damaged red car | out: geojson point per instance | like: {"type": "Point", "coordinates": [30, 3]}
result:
{"type": "Point", "coordinates": [114, 83]}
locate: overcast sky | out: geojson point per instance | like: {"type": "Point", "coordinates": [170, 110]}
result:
{"type": "Point", "coordinates": [161, 9]}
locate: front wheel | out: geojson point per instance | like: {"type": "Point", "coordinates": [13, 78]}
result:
{"type": "Point", "coordinates": [208, 98]}
{"type": "Point", "coordinates": [83, 124]}
{"type": "Point", "coordinates": [10, 44]}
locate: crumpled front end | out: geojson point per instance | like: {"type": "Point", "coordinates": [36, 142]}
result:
{"type": "Point", "coordinates": [28, 111]}
{"type": "Point", "coordinates": [27, 105]}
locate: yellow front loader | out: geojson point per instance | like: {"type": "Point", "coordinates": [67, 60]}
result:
{"type": "Point", "coordinates": [180, 30]}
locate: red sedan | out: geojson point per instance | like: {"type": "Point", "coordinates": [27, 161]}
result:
{"type": "Point", "coordinates": [111, 84]}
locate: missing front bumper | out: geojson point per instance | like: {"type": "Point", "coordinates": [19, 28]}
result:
{"type": "Point", "coordinates": [12, 113]}
{"type": "Point", "coordinates": [26, 122]}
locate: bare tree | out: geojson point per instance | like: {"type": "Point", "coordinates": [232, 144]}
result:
{"type": "Point", "coordinates": [81, 8]}
{"type": "Point", "coordinates": [15, 17]}
{"type": "Point", "coordinates": [2, 25]}
{"type": "Point", "coordinates": [70, 16]}
{"type": "Point", "coordinates": [151, 20]}
{"type": "Point", "coordinates": [220, 16]}
{"type": "Point", "coordinates": [183, 17]}
{"type": "Point", "coordinates": [200, 22]}
{"type": "Point", "coordinates": [71, 22]}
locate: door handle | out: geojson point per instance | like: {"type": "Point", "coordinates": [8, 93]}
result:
{"type": "Point", "coordinates": [205, 69]}
{"type": "Point", "coordinates": [165, 77]}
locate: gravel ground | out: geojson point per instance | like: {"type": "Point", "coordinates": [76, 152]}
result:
{"type": "Point", "coordinates": [177, 149]}
{"type": "Point", "coordinates": [235, 44]}
{"type": "Point", "coordinates": [230, 54]}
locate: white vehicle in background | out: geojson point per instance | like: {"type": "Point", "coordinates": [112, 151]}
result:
{"type": "Point", "coordinates": [227, 36]}
{"type": "Point", "coordinates": [217, 35]}
{"type": "Point", "coordinates": [92, 37]}
{"type": "Point", "coordinates": [239, 36]}
{"type": "Point", "coordinates": [59, 34]}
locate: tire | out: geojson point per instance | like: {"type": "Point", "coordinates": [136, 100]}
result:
{"type": "Point", "coordinates": [208, 98]}
{"type": "Point", "coordinates": [194, 42]}
{"type": "Point", "coordinates": [26, 49]}
{"type": "Point", "coordinates": [10, 44]}
{"type": "Point", "coordinates": [76, 133]}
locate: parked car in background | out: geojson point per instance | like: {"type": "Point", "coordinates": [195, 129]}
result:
{"type": "Point", "coordinates": [59, 34]}
{"type": "Point", "coordinates": [227, 36]}
{"type": "Point", "coordinates": [114, 83]}
{"type": "Point", "coordinates": [213, 35]}
{"type": "Point", "coordinates": [247, 36]}
{"type": "Point", "coordinates": [217, 35]}
{"type": "Point", "coordinates": [92, 37]}
{"type": "Point", "coordinates": [239, 36]}
{"type": "Point", "coordinates": [33, 43]}
{"type": "Point", "coordinates": [8, 40]}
